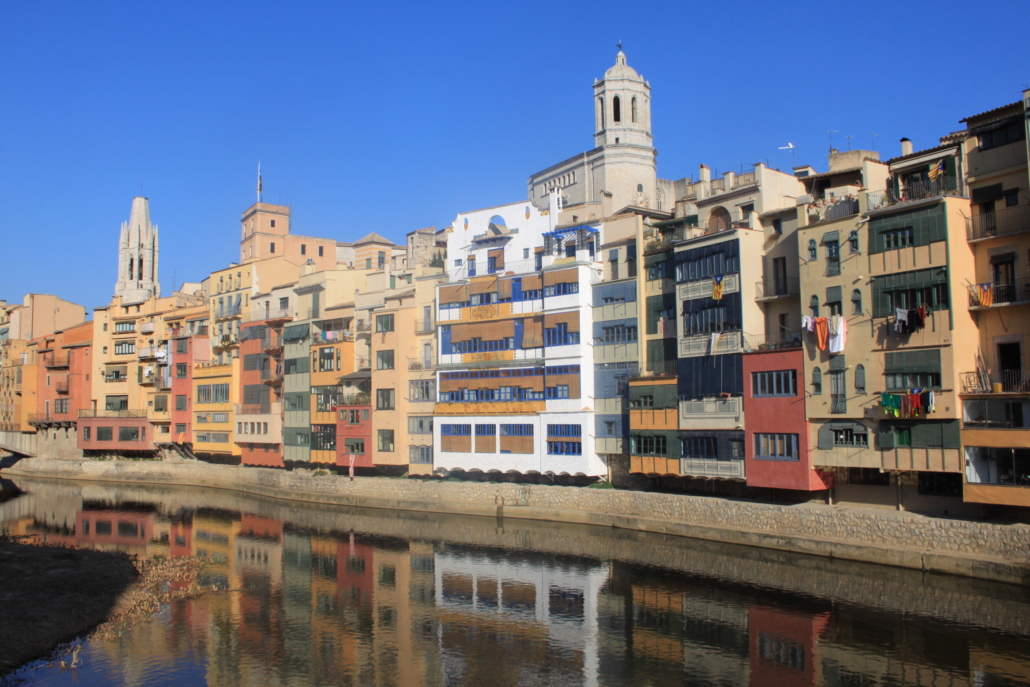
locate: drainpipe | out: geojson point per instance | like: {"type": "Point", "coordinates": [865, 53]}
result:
{"type": "Point", "coordinates": [897, 481]}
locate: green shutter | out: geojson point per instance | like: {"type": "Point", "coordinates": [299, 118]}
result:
{"type": "Point", "coordinates": [860, 378]}
{"type": "Point", "coordinates": [825, 437]}
{"type": "Point", "coordinates": [885, 437]}
{"type": "Point", "coordinates": [837, 363]}
{"type": "Point", "coordinates": [833, 294]}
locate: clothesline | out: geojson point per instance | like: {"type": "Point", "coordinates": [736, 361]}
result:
{"type": "Point", "coordinates": [831, 332]}
{"type": "Point", "coordinates": [912, 404]}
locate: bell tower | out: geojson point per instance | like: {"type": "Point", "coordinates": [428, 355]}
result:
{"type": "Point", "coordinates": [138, 255]}
{"type": "Point", "coordinates": [622, 107]}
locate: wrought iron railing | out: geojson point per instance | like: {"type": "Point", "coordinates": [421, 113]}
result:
{"type": "Point", "coordinates": [420, 364]}
{"type": "Point", "coordinates": [773, 342]}
{"type": "Point", "coordinates": [778, 288]}
{"type": "Point", "coordinates": [62, 387]}
{"type": "Point", "coordinates": [838, 403]}
{"type": "Point", "coordinates": [354, 400]}
{"type": "Point", "coordinates": [987, 225]}
{"type": "Point", "coordinates": [56, 360]}
{"type": "Point", "coordinates": [832, 265]}
{"type": "Point", "coordinates": [113, 413]}
{"type": "Point", "coordinates": [425, 326]}
{"type": "Point", "coordinates": [983, 295]}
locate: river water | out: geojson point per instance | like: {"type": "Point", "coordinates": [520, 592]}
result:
{"type": "Point", "coordinates": [315, 595]}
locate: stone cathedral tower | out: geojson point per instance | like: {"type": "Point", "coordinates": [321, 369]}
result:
{"type": "Point", "coordinates": [137, 256]}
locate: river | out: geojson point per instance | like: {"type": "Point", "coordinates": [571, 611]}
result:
{"type": "Point", "coordinates": [303, 594]}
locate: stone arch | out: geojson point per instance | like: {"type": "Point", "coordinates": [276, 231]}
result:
{"type": "Point", "coordinates": [719, 220]}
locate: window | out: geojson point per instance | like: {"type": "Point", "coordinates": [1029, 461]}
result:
{"type": "Point", "coordinates": [180, 428]}
{"type": "Point", "coordinates": [560, 335]}
{"type": "Point", "coordinates": [124, 347]}
{"type": "Point", "coordinates": [813, 251]}
{"type": "Point", "coordinates": [813, 305]}
{"type": "Point", "coordinates": [817, 381]}
{"type": "Point", "coordinates": [486, 430]}
{"type": "Point", "coordinates": [273, 224]}
{"type": "Point", "coordinates": [213, 393]}
{"type": "Point", "coordinates": [647, 445]}
{"type": "Point", "coordinates": [420, 454]}
{"type": "Point", "coordinates": [455, 430]}
{"type": "Point", "coordinates": [616, 109]}
{"type": "Point", "coordinates": [559, 391]}
{"type": "Point", "coordinates": [897, 238]}
{"type": "Point", "coordinates": [180, 402]}
{"type": "Point", "coordinates": [116, 403]}
{"type": "Point", "coordinates": [354, 446]}
{"type": "Point", "coordinates": [860, 379]}
{"type": "Point", "coordinates": [386, 440]}
{"type": "Point", "coordinates": [776, 447]}
{"type": "Point", "coordinates": [1002, 135]}
{"type": "Point", "coordinates": [618, 334]}
{"type": "Point", "coordinates": [303, 249]}
{"type": "Point", "coordinates": [1012, 197]}
{"type": "Point", "coordinates": [85, 433]}
{"type": "Point", "coordinates": [129, 433]}
{"type": "Point", "coordinates": [516, 430]}
{"type": "Point", "coordinates": [284, 303]}
{"type": "Point", "coordinates": [320, 249]}
{"type": "Point", "coordinates": [181, 371]}
{"type": "Point", "coordinates": [779, 383]}
{"type": "Point", "coordinates": [856, 302]}
{"type": "Point", "coordinates": [850, 437]}
{"type": "Point", "coordinates": [326, 398]}
{"type": "Point", "coordinates": [122, 327]}
{"type": "Point", "coordinates": [657, 271]}
{"type": "Point", "coordinates": [853, 240]}
{"type": "Point", "coordinates": [832, 258]}
{"type": "Point", "coordinates": [384, 323]}
{"type": "Point", "coordinates": [561, 289]}
{"type": "Point", "coordinates": [105, 433]}
{"type": "Point", "coordinates": [778, 225]}
{"type": "Point", "coordinates": [564, 448]}
{"type": "Point", "coordinates": [329, 359]}
{"type": "Point", "coordinates": [422, 390]}
{"type": "Point", "coordinates": [384, 399]}
{"type": "Point", "coordinates": [564, 430]}
{"type": "Point", "coordinates": [105, 326]}
{"type": "Point", "coordinates": [271, 247]}
{"type": "Point", "coordinates": [420, 425]}
{"type": "Point", "coordinates": [384, 360]}
{"type": "Point", "coordinates": [699, 447]}
{"type": "Point", "coordinates": [213, 438]}
{"type": "Point", "coordinates": [323, 437]}
{"type": "Point", "coordinates": [212, 417]}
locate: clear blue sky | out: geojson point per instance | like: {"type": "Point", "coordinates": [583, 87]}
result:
{"type": "Point", "coordinates": [395, 117]}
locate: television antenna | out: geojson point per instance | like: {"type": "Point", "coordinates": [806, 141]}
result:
{"type": "Point", "coordinates": [790, 147]}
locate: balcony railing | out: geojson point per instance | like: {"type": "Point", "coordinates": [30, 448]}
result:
{"type": "Point", "coordinates": [832, 265]}
{"type": "Point", "coordinates": [941, 186]}
{"type": "Point", "coordinates": [363, 327]}
{"type": "Point", "coordinates": [988, 225]}
{"type": "Point", "coordinates": [112, 413]}
{"type": "Point", "coordinates": [986, 295]}
{"type": "Point", "coordinates": [655, 368]}
{"type": "Point", "coordinates": [773, 342]}
{"type": "Point", "coordinates": [777, 288]}
{"type": "Point", "coordinates": [354, 400]}
{"type": "Point", "coordinates": [52, 416]}
{"type": "Point", "coordinates": [258, 313]}
{"type": "Point", "coordinates": [425, 326]}
{"type": "Point", "coordinates": [258, 408]}
{"type": "Point", "coordinates": [148, 352]}
{"type": "Point", "coordinates": [998, 381]}
{"type": "Point", "coordinates": [228, 311]}
{"type": "Point", "coordinates": [62, 387]}
{"type": "Point", "coordinates": [838, 403]}
{"type": "Point", "coordinates": [116, 378]}
{"type": "Point", "coordinates": [146, 328]}
{"type": "Point", "coordinates": [420, 364]}
{"type": "Point", "coordinates": [56, 360]}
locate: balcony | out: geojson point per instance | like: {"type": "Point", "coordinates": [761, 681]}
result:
{"type": "Point", "coordinates": [838, 403]}
{"type": "Point", "coordinates": [832, 265]}
{"type": "Point", "coordinates": [773, 342]}
{"type": "Point", "coordinates": [225, 340]}
{"type": "Point", "coordinates": [1004, 222]}
{"type": "Point", "coordinates": [711, 467]}
{"type": "Point", "coordinates": [703, 344]}
{"type": "Point", "coordinates": [113, 413]}
{"type": "Point", "coordinates": [420, 364]}
{"type": "Point", "coordinates": [146, 328]}
{"type": "Point", "coordinates": [258, 314]}
{"type": "Point", "coordinates": [227, 311]}
{"type": "Point", "coordinates": [56, 360]}
{"type": "Point", "coordinates": [992, 414]}
{"type": "Point", "coordinates": [152, 353]}
{"type": "Point", "coordinates": [115, 378]}
{"type": "Point", "coordinates": [990, 295]}
{"type": "Point", "coordinates": [272, 377]}
{"type": "Point", "coordinates": [996, 382]}
{"type": "Point", "coordinates": [694, 409]}
{"type": "Point", "coordinates": [772, 289]}
{"type": "Point", "coordinates": [62, 387]}
{"type": "Point", "coordinates": [941, 186]}
{"type": "Point", "coordinates": [51, 417]}
{"type": "Point", "coordinates": [354, 400]}
{"type": "Point", "coordinates": [425, 326]}
{"type": "Point", "coordinates": [657, 368]}
{"type": "Point", "coordinates": [702, 288]}
{"type": "Point", "coordinates": [363, 327]}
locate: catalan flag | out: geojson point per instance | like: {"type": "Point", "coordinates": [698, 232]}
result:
{"type": "Point", "coordinates": [986, 294]}
{"type": "Point", "coordinates": [717, 288]}
{"type": "Point", "coordinates": [938, 169]}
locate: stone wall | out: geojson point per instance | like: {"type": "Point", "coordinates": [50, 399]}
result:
{"type": "Point", "coordinates": [977, 549]}
{"type": "Point", "coordinates": [58, 443]}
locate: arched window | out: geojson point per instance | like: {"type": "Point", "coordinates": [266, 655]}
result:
{"type": "Point", "coordinates": [600, 111]}
{"type": "Point", "coordinates": [813, 250]}
{"type": "Point", "coordinates": [813, 305]}
{"type": "Point", "coordinates": [633, 110]}
{"type": "Point", "coordinates": [616, 109]}
{"type": "Point", "coordinates": [817, 381]}
{"type": "Point", "coordinates": [860, 379]}
{"type": "Point", "coordinates": [640, 188]}
{"type": "Point", "coordinates": [131, 265]}
{"type": "Point", "coordinates": [853, 240]}
{"type": "Point", "coordinates": [856, 302]}
{"type": "Point", "coordinates": [141, 268]}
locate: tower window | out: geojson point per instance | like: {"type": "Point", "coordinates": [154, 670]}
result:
{"type": "Point", "coordinates": [616, 109]}
{"type": "Point", "coordinates": [633, 110]}
{"type": "Point", "coordinates": [303, 249]}
{"type": "Point", "coordinates": [640, 188]}
{"type": "Point", "coordinates": [273, 224]}
{"type": "Point", "coordinates": [320, 249]}
{"type": "Point", "coordinates": [271, 247]}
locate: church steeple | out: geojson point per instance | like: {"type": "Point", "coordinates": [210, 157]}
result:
{"type": "Point", "coordinates": [138, 256]}
{"type": "Point", "coordinates": [622, 106]}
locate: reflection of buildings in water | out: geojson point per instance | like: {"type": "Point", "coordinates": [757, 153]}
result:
{"type": "Point", "coordinates": [490, 601]}
{"type": "Point", "coordinates": [783, 646]}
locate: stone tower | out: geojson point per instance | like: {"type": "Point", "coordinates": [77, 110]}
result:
{"type": "Point", "coordinates": [138, 256]}
{"type": "Point", "coordinates": [622, 107]}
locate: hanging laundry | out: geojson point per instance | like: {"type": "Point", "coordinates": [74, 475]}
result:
{"type": "Point", "coordinates": [916, 404]}
{"type": "Point", "coordinates": [902, 320]}
{"type": "Point", "coordinates": [811, 324]}
{"type": "Point", "coordinates": [913, 321]}
{"type": "Point", "coordinates": [921, 312]}
{"type": "Point", "coordinates": [717, 287]}
{"type": "Point", "coordinates": [714, 341]}
{"type": "Point", "coordinates": [805, 322]}
{"type": "Point", "coordinates": [661, 324]}
{"type": "Point", "coordinates": [822, 332]}
{"type": "Point", "coordinates": [891, 403]}
{"type": "Point", "coordinates": [839, 337]}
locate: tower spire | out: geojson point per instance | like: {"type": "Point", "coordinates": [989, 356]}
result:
{"type": "Point", "coordinates": [259, 182]}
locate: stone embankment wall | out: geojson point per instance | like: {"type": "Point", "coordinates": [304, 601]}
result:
{"type": "Point", "coordinates": [977, 549]}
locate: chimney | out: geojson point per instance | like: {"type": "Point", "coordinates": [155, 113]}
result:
{"type": "Point", "coordinates": [705, 174]}
{"type": "Point", "coordinates": [906, 147]}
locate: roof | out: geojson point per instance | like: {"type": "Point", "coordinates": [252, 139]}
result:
{"type": "Point", "coordinates": [283, 286]}
{"type": "Point", "coordinates": [410, 293]}
{"type": "Point", "coordinates": [920, 153]}
{"type": "Point", "coordinates": [360, 374]}
{"type": "Point", "coordinates": [778, 211]}
{"type": "Point", "coordinates": [994, 111]}
{"type": "Point", "coordinates": [340, 306]}
{"type": "Point", "coordinates": [373, 237]}
{"type": "Point", "coordinates": [735, 193]}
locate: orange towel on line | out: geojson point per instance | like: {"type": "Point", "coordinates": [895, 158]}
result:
{"type": "Point", "coordinates": [822, 332]}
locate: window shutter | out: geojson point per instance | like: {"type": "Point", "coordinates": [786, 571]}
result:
{"type": "Point", "coordinates": [825, 437]}
{"type": "Point", "coordinates": [860, 379]}
{"type": "Point", "coordinates": [837, 363]}
{"type": "Point", "coordinates": [885, 437]}
{"type": "Point", "coordinates": [833, 294]}
{"type": "Point", "coordinates": [950, 437]}
{"type": "Point", "coordinates": [817, 381]}
{"type": "Point", "coordinates": [950, 166]}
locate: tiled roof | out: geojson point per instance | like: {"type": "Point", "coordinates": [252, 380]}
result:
{"type": "Point", "coordinates": [373, 237]}
{"type": "Point", "coordinates": [995, 110]}
{"type": "Point", "coordinates": [340, 306]}
{"type": "Point", "coordinates": [919, 153]}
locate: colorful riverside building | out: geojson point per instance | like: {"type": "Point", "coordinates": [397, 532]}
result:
{"type": "Point", "coordinates": [995, 393]}
{"type": "Point", "coordinates": [513, 330]}
{"type": "Point", "coordinates": [63, 384]}
{"type": "Point", "coordinates": [872, 258]}
{"type": "Point", "coordinates": [188, 344]}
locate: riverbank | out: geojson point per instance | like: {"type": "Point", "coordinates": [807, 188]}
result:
{"type": "Point", "coordinates": [991, 551]}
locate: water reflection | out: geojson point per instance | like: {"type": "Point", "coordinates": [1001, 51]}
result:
{"type": "Point", "coordinates": [317, 595]}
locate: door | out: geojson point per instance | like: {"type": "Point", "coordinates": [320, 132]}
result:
{"type": "Point", "coordinates": [1004, 282]}
{"type": "Point", "coordinates": [427, 356]}
{"type": "Point", "coordinates": [1010, 364]}
{"type": "Point", "coordinates": [780, 276]}
{"type": "Point", "coordinates": [988, 220]}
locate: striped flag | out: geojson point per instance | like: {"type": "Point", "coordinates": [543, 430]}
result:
{"type": "Point", "coordinates": [938, 169]}
{"type": "Point", "coordinates": [986, 293]}
{"type": "Point", "coordinates": [717, 288]}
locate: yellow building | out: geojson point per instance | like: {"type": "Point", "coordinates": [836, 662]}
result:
{"type": "Point", "coordinates": [215, 391]}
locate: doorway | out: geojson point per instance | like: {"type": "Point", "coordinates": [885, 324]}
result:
{"type": "Point", "coordinates": [1010, 366]}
